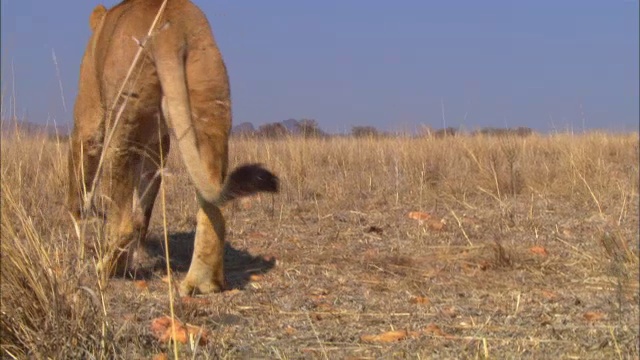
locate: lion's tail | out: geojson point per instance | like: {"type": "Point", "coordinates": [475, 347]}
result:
{"type": "Point", "coordinates": [243, 181]}
{"type": "Point", "coordinates": [247, 180]}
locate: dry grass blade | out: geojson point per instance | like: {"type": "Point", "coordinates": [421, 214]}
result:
{"type": "Point", "coordinates": [165, 232]}
{"type": "Point", "coordinates": [42, 312]}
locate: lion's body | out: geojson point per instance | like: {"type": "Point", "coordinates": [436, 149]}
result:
{"type": "Point", "coordinates": [179, 84]}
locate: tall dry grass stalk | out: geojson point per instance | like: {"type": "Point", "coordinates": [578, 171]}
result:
{"type": "Point", "coordinates": [48, 306]}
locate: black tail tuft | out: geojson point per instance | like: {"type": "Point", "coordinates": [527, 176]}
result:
{"type": "Point", "coordinates": [249, 179]}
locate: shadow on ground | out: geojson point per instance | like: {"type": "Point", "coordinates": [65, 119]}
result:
{"type": "Point", "coordinates": [239, 265]}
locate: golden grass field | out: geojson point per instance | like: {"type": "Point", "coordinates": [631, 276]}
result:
{"type": "Point", "coordinates": [530, 251]}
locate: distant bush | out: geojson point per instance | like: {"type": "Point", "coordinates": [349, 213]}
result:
{"type": "Point", "coordinates": [244, 129]}
{"type": "Point", "coordinates": [309, 128]}
{"type": "Point", "coordinates": [491, 131]}
{"type": "Point", "coordinates": [364, 131]}
{"type": "Point", "coordinates": [273, 130]}
{"type": "Point", "coordinates": [450, 131]}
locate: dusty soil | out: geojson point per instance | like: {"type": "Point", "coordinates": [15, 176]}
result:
{"type": "Point", "coordinates": [313, 279]}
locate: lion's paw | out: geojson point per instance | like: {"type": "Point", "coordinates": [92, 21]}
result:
{"type": "Point", "coordinates": [191, 287]}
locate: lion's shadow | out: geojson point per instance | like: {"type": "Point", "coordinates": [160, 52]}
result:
{"type": "Point", "coordinates": [239, 265]}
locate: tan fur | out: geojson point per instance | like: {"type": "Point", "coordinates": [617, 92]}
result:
{"type": "Point", "coordinates": [182, 51]}
{"type": "Point", "coordinates": [96, 16]}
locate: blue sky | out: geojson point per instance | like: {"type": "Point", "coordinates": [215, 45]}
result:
{"type": "Point", "coordinates": [543, 64]}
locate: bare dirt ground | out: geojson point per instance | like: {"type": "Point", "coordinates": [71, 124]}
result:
{"type": "Point", "coordinates": [528, 249]}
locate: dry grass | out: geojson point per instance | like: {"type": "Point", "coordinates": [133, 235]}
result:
{"type": "Point", "coordinates": [348, 260]}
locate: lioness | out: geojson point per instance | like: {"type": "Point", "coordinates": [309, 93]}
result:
{"type": "Point", "coordinates": [179, 84]}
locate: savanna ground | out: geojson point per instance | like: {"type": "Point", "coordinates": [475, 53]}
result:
{"type": "Point", "coordinates": [530, 251]}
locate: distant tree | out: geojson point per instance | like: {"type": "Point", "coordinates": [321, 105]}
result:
{"type": "Point", "coordinates": [310, 128]}
{"type": "Point", "coordinates": [449, 131]}
{"type": "Point", "coordinates": [292, 126]}
{"type": "Point", "coordinates": [523, 131]}
{"type": "Point", "coordinates": [244, 129]}
{"type": "Point", "coordinates": [364, 131]}
{"type": "Point", "coordinates": [272, 130]}
{"type": "Point", "coordinates": [488, 131]}
{"type": "Point", "coordinates": [502, 132]}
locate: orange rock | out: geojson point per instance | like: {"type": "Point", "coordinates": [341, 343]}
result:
{"type": "Point", "coordinates": [538, 250]}
{"type": "Point", "coordinates": [420, 300]}
{"type": "Point", "coordinates": [141, 285]}
{"type": "Point", "coordinates": [389, 336]}
{"type": "Point", "coordinates": [418, 215]}
{"type": "Point", "coordinates": [161, 329]}
{"type": "Point", "coordinates": [593, 316]}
